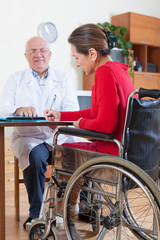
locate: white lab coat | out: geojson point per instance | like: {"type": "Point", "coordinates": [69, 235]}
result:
{"type": "Point", "coordinates": [22, 90]}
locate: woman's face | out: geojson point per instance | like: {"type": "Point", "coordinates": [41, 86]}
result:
{"type": "Point", "coordinates": [87, 63]}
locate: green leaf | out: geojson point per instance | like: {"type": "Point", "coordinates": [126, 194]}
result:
{"type": "Point", "coordinates": [129, 45]}
{"type": "Point", "coordinates": [123, 30]}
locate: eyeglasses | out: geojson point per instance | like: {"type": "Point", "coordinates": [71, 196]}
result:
{"type": "Point", "coordinates": [42, 51]}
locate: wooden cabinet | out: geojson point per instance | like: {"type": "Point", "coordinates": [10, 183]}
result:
{"type": "Point", "coordinates": [146, 80]}
{"type": "Point", "coordinates": [142, 29]}
{"type": "Point", "coordinates": [9, 167]}
{"type": "Point", "coordinates": [144, 33]}
{"type": "Point", "coordinates": [88, 81]}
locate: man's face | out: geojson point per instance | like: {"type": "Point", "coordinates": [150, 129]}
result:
{"type": "Point", "coordinates": [38, 55]}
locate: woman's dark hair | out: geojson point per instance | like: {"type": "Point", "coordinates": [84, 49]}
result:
{"type": "Point", "coordinates": [92, 36]}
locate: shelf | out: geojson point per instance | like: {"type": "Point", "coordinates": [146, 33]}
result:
{"type": "Point", "coordinates": [147, 54]}
{"type": "Point", "coordinates": [153, 56]}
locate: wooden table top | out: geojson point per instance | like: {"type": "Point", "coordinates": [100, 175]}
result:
{"type": "Point", "coordinates": [36, 123]}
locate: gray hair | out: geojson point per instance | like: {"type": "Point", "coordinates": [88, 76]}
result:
{"type": "Point", "coordinates": [36, 37]}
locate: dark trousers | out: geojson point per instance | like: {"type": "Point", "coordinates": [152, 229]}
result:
{"type": "Point", "coordinates": [34, 177]}
{"type": "Point", "coordinates": [84, 194]}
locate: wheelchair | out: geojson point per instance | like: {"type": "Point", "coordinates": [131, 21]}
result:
{"type": "Point", "coordinates": [122, 199]}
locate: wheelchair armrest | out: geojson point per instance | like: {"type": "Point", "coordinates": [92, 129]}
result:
{"type": "Point", "coordinates": [85, 133]}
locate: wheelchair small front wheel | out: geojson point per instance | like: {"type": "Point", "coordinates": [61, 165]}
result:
{"type": "Point", "coordinates": [37, 229]}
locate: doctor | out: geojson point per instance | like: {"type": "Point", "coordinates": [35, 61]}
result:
{"type": "Point", "coordinates": [28, 93]}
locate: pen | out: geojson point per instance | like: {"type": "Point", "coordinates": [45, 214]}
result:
{"type": "Point", "coordinates": [54, 99]}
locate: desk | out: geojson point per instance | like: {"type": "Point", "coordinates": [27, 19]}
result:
{"type": "Point", "coordinates": [2, 162]}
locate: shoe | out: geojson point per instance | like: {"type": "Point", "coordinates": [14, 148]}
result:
{"type": "Point", "coordinates": [74, 210]}
{"type": "Point", "coordinates": [59, 222]}
{"type": "Point", "coordinates": [29, 219]}
{"type": "Point", "coordinates": [84, 211]}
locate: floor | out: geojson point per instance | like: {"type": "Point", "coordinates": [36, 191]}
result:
{"type": "Point", "coordinates": [14, 229]}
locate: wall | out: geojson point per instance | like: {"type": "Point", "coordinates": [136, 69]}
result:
{"type": "Point", "coordinates": [19, 20]}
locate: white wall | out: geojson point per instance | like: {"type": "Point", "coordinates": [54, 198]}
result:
{"type": "Point", "coordinates": [19, 20]}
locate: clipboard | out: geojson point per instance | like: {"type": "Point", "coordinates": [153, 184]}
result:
{"type": "Point", "coordinates": [21, 119]}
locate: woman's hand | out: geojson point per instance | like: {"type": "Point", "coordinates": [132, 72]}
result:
{"type": "Point", "coordinates": [76, 123]}
{"type": "Point", "coordinates": [52, 115]}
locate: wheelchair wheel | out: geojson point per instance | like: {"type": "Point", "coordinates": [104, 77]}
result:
{"type": "Point", "coordinates": [37, 229]}
{"type": "Point", "coordinates": [128, 201]}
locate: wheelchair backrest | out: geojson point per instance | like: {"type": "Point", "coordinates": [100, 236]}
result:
{"type": "Point", "coordinates": [141, 136]}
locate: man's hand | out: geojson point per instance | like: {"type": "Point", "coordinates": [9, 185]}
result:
{"type": "Point", "coordinates": [25, 111]}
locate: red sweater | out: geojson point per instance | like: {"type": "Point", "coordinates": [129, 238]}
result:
{"type": "Point", "coordinates": [108, 105]}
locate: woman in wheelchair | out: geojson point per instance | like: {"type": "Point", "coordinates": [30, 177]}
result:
{"type": "Point", "coordinates": [91, 47]}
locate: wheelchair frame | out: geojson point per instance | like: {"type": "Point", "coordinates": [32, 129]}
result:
{"type": "Point", "coordinates": [111, 183]}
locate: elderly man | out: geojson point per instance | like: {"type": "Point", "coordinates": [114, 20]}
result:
{"type": "Point", "coordinates": [28, 93]}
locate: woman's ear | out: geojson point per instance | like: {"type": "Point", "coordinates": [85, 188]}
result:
{"type": "Point", "coordinates": [93, 54]}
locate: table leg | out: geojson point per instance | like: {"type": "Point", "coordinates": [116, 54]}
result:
{"type": "Point", "coordinates": [2, 185]}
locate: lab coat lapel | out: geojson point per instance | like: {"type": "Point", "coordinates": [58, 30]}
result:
{"type": "Point", "coordinates": [50, 85]}
{"type": "Point", "coordinates": [31, 80]}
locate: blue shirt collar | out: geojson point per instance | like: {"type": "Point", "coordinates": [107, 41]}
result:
{"type": "Point", "coordinates": [36, 75]}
